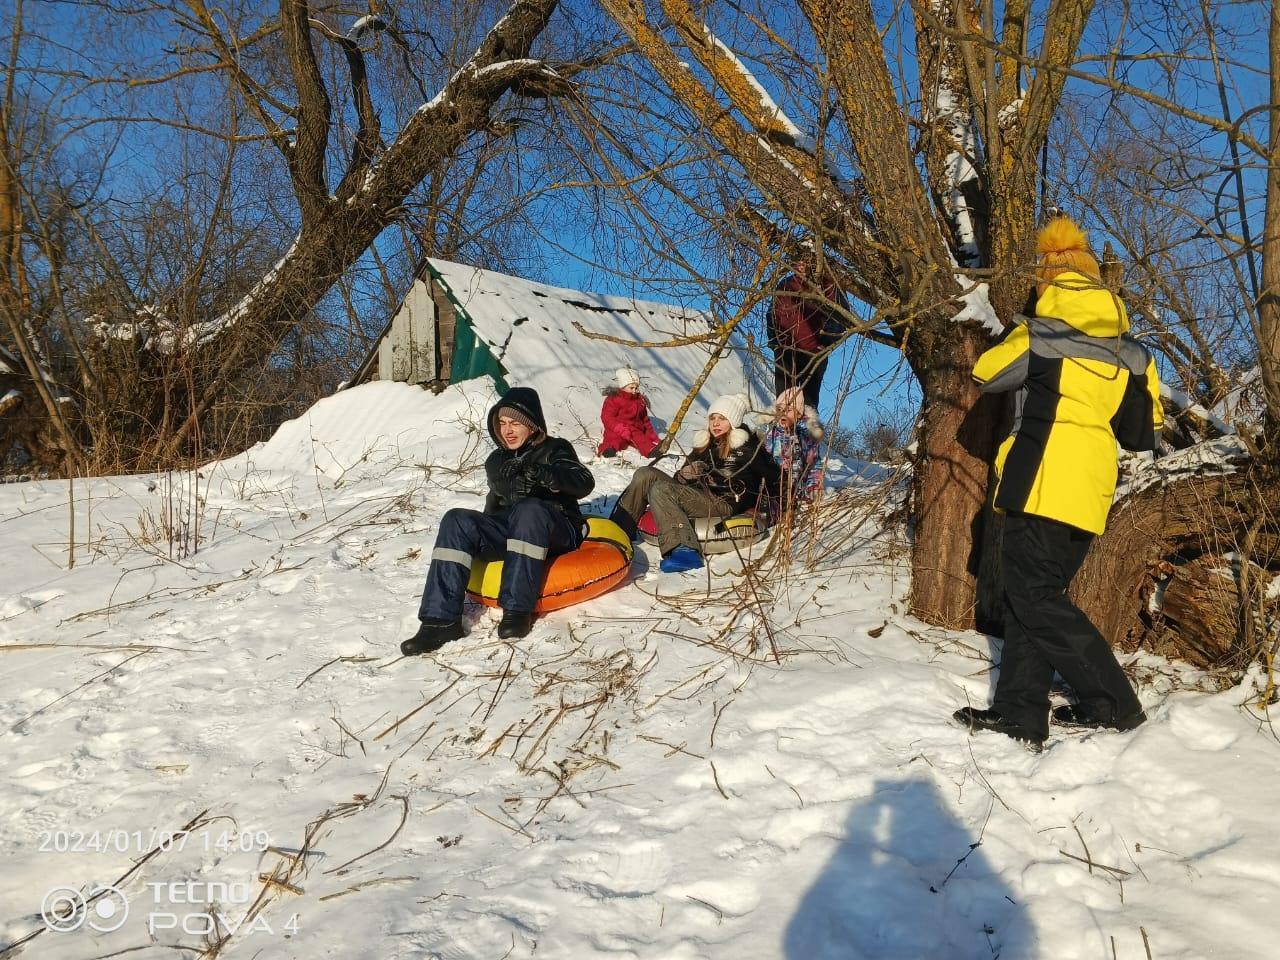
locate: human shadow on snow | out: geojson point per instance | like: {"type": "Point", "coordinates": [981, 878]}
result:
{"type": "Point", "coordinates": [893, 889]}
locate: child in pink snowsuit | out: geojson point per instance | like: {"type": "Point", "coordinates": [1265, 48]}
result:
{"type": "Point", "coordinates": [625, 415]}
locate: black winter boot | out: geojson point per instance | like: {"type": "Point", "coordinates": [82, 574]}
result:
{"type": "Point", "coordinates": [976, 719]}
{"type": "Point", "coordinates": [514, 625]}
{"type": "Point", "coordinates": [431, 636]}
{"type": "Point", "coordinates": [1083, 716]}
{"type": "Point", "coordinates": [626, 522]}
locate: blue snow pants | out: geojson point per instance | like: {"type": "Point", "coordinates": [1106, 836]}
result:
{"type": "Point", "coordinates": [522, 537]}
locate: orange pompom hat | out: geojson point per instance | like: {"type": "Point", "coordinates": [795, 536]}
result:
{"type": "Point", "coordinates": [1063, 248]}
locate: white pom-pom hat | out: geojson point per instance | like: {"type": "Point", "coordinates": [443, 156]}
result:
{"type": "Point", "coordinates": [626, 377]}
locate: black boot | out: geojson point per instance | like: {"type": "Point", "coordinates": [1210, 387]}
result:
{"type": "Point", "coordinates": [431, 636]}
{"type": "Point", "coordinates": [976, 719]}
{"type": "Point", "coordinates": [1083, 716]}
{"type": "Point", "coordinates": [514, 625]}
{"type": "Point", "coordinates": [626, 522]}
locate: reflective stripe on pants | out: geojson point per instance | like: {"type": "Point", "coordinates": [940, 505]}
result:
{"type": "Point", "coordinates": [522, 537]}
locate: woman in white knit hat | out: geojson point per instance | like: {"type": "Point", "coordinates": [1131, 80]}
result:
{"type": "Point", "coordinates": [625, 416]}
{"type": "Point", "coordinates": [728, 472]}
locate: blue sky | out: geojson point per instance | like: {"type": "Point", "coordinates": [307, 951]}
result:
{"type": "Point", "coordinates": [573, 256]}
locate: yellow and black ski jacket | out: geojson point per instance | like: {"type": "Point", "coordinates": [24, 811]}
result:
{"type": "Point", "coordinates": [1083, 384]}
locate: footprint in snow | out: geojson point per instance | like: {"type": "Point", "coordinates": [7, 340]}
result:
{"type": "Point", "coordinates": [633, 870]}
{"type": "Point", "coordinates": [20, 604]}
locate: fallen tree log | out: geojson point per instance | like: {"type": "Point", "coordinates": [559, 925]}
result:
{"type": "Point", "coordinates": [1200, 616]}
{"type": "Point", "coordinates": [1200, 536]}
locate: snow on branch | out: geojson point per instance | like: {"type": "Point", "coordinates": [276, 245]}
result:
{"type": "Point", "coordinates": [776, 133]}
{"type": "Point", "coordinates": [948, 110]}
{"type": "Point", "coordinates": [1243, 401]}
{"type": "Point", "coordinates": [199, 334]}
{"type": "Point", "coordinates": [768, 110]}
{"type": "Point", "coordinates": [976, 306]}
{"type": "Point", "coordinates": [153, 329]}
{"type": "Point", "coordinates": [342, 224]}
{"type": "Point", "coordinates": [1179, 400]}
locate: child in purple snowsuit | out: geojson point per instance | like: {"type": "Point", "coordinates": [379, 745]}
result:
{"type": "Point", "coordinates": [792, 438]}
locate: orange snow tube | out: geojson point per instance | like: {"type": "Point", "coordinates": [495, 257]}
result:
{"type": "Point", "coordinates": [596, 567]}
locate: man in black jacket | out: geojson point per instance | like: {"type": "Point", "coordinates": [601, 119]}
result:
{"type": "Point", "coordinates": [535, 482]}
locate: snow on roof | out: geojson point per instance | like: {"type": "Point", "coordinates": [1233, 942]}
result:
{"type": "Point", "coordinates": [530, 329]}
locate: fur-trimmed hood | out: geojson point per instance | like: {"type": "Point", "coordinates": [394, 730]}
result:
{"type": "Point", "coordinates": [812, 423]}
{"type": "Point", "coordinates": [809, 420]}
{"type": "Point", "coordinates": [737, 437]}
{"type": "Point", "coordinates": [612, 391]}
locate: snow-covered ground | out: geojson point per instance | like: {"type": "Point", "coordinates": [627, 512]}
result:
{"type": "Point", "coordinates": [633, 779]}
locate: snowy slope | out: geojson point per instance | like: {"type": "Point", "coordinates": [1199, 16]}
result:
{"type": "Point", "coordinates": [632, 780]}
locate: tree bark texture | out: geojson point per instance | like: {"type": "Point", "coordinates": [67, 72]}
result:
{"type": "Point", "coordinates": [957, 442]}
{"type": "Point", "coordinates": [1269, 302]}
{"type": "Point", "coordinates": [1200, 615]}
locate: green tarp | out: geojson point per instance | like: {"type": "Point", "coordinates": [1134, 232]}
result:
{"type": "Point", "coordinates": [471, 355]}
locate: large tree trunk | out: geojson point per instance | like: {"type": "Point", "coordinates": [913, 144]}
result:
{"type": "Point", "coordinates": [957, 441]}
{"type": "Point", "coordinates": [1202, 614]}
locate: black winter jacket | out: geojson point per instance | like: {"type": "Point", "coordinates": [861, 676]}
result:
{"type": "Point", "coordinates": [569, 480]}
{"type": "Point", "coordinates": [745, 477]}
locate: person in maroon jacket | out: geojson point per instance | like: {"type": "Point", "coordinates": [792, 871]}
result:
{"type": "Point", "coordinates": [625, 415]}
{"type": "Point", "coordinates": [804, 323]}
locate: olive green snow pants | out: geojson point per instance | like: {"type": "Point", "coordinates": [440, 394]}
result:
{"type": "Point", "coordinates": [674, 506]}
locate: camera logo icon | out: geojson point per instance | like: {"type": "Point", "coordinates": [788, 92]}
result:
{"type": "Point", "coordinates": [65, 909]}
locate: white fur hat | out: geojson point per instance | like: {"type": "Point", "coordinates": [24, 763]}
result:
{"type": "Point", "coordinates": [732, 406]}
{"type": "Point", "coordinates": [625, 377]}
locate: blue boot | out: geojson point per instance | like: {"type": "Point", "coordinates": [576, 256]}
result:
{"type": "Point", "coordinates": [681, 559]}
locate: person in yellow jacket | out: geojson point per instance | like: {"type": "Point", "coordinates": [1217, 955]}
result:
{"type": "Point", "coordinates": [1083, 385]}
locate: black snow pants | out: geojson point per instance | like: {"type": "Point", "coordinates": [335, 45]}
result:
{"type": "Point", "coordinates": [798, 368]}
{"type": "Point", "coordinates": [1045, 631]}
